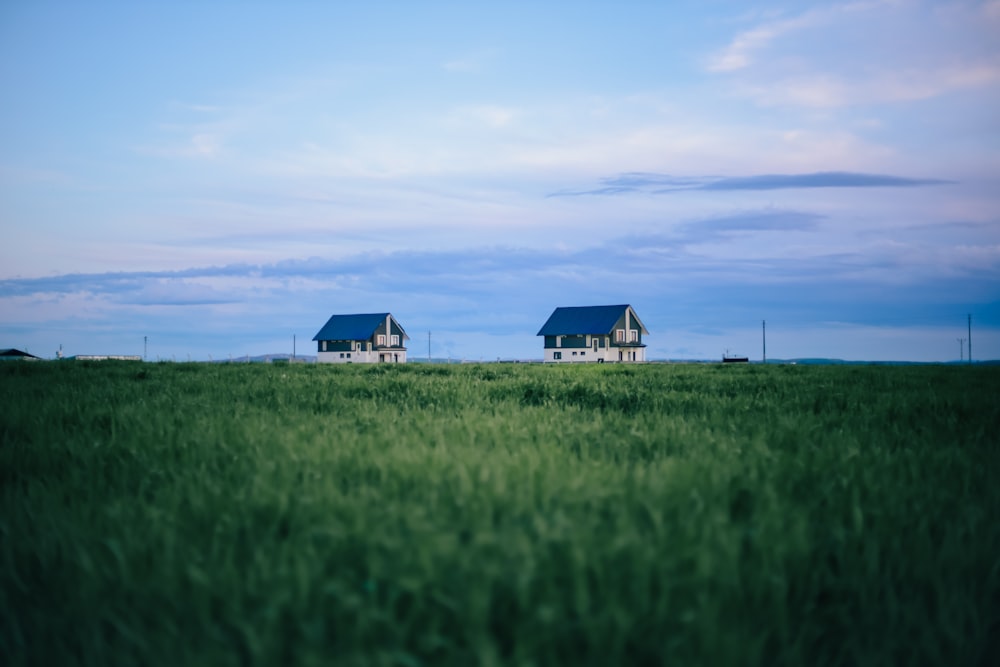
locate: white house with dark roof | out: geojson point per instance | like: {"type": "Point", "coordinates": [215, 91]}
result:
{"type": "Point", "coordinates": [594, 333]}
{"type": "Point", "coordinates": [362, 339]}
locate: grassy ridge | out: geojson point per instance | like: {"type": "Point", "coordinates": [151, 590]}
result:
{"type": "Point", "coordinates": [213, 514]}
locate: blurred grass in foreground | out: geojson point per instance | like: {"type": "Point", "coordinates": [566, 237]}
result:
{"type": "Point", "coordinates": [169, 514]}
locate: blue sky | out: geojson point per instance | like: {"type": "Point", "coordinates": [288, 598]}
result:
{"type": "Point", "coordinates": [222, 177]}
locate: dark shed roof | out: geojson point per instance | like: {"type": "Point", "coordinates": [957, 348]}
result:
{"type": "Point", "coordinates": [352, 327]}
{"type": "Point", "coordinates": [585, 320]}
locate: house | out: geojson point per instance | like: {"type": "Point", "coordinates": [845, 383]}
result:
{"type": "Point", "coordinates": [11, 354]}
{"type": "Point", "coordinates": [364, 339]}
{"type": "Point", "coordinates": [594, 333]}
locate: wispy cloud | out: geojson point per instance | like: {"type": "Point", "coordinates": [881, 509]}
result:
{"type": "Point", "coordinates": [799, 61]}
{"type": "Point", "coordinates": [745, 46]}
{"type": "Point", "coordinates": [483, 273]}
{"type": "Point", "coordinates": [748, 45]}
{"type": "Point", "coordinates": [194, 142]}
{"type": "Point", "coordinates": [492, 115]}
{"type": "Point", "coordinates": [710, 272]}
{"type": "Point", "coordinates": [877, 86]}
{"type": "Point", "coordinates": [831, 179]}
{"type": "Point", "coordinates": [752, 221]}
{"type": "Point", "coordinates": [664, 183]}
{"type": "Point", "coordinates": [196, 107]}
{"type": "Point", "coordinates": [205, 145]}
{"type": "Point", "coordinates": [474, 61]}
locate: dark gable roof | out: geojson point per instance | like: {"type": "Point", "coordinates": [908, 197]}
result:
{"type": "Point", "coordinates": [584, 320]}
{"type": "Point", "coordinates": [13, 353]}
{"type": "Point", "coordinates": [352, 327]}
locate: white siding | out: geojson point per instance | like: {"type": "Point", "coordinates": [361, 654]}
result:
{"type": "Point", "coordinates": [363, 357]}
{"type": "Point", "coordinates": [607, 354]}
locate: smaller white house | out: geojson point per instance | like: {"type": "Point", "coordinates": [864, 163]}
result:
{"type": "Point", "coordinates": [369, 338]}
{"type": "Point", "coordinates": [594, 333]}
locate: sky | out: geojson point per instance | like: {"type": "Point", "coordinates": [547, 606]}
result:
{"type": "Point", "coordinates": [211, 180]}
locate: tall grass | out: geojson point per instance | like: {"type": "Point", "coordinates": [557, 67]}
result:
{"type": "Point", "coordinates": [498, 514]}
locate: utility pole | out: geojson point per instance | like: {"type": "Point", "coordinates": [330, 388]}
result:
{"type": "Point", "coordinates": [970, 338]}
{"type": "Point", "coordinates": [763, 333]}
{"type": "Point", "coordinates": [428, 347]}
{"type": "Point", "coordinates": [961, 343]}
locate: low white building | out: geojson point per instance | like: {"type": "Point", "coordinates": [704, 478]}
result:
{"type": "Point", "coordinates": [362, 339]}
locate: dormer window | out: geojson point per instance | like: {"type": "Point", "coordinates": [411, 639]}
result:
{"type": "Point", "coordinates": [380, 340]}
{"type": "Point", "coordinates": [619, 335]}
{"type": "Point", "coordinates": [394, 340]}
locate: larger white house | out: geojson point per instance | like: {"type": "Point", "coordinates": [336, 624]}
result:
{"type": "Point", "coordinates": [594, 333]}
{"type": "Point", "coordinates": [363, 338]}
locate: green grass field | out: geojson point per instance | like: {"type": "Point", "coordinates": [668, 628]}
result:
{"type": "Point", "coordinates": [196, 514]}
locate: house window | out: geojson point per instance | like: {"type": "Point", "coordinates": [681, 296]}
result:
{"type": "Point", "coordinates": [341, 355]}
{"type": "Point", "coordinates": [380, 340]}
{"type": "Point", "coordinates": [633, 335]}
{"type": "Point", "coordinates": [394, 339]}
{"type": "Point", "coordinates": [324, 346]}
{"type": "Point", "coordinates": [619, 335]}
{"type": "Point", "coordinates": [557, 355]}
{"type": "Point", "coordinates": [348, 355]}
{"type": "Point", "coordinates": [583, 354]}
{"type": "Point", "coordinates": [574, 353]}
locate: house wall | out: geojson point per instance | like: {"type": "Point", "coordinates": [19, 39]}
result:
{"type": "Point", "coordinates": [397, 330]}
{"type": "Point", "coordinates": [575, 341]}
{"type": "Point", "coordinates": [346, 352]}
{"type": "Point", "coordinates": [335, 346]}
{"type": "Point", "coordinates": [607, 354]}
{"type": "Point", "coordinates": [631, 326]}
{"type": "Point", "coordinates": [389, 329]}
{"type": "Point", "coordinates": [570, 342]}
{"type": "Point", "coordinates": [569, 355]}
{"type": "Point", "coordinates": [339, 357]}
{"type": "Point", "coordinates": [627, 354]}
